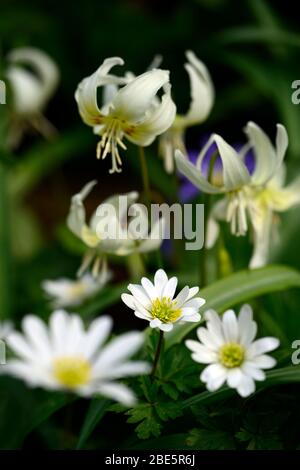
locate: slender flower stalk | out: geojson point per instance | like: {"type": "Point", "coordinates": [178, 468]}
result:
{"type": "Point", "coordinates": [157, 353]}
{"type": "Point", "coordinates": [145, 177]}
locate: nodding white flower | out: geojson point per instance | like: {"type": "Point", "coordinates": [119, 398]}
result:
{"type": "Point", "coordinates": [253, 196]}
{"type": "Point", "coordinates": [110, 231]}
{"type": "Point", "coordinates": [66, 356]}
{"type": "Point", "coordinates": [156, 303]}
{"type": "Point", "coordinates": [68, 292]}
{"type": "Point", "coordinates": [202, 99]}
{"type": "Point", "coordinates": [228, 346]}
{"type": "Point", "coordinates": [133, 111]}
{"type": "Point", "coordinates": [5, 328]}
{"type": "Point", "coordinates": [31, 90]}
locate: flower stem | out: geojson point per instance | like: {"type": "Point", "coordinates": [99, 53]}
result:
{"type": "Point", "coordinates": [203, 271]}
{"type": "Point", "coordinates": [5, 265]}
{"type": "Point", "coordinates": [157, 353]}
{"type": "Point", "coordinates": [145, 176]}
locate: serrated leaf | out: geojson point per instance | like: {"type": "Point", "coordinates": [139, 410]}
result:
{"type": "Point", "coordinates": [207, 439]}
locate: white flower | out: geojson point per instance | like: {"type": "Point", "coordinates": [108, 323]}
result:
{"type": "Point", "coordinates": [202, 99]}
{"type": "Point", "coordinates": [68, 292]}
{"type": "Point", "coordinates": [156, 303]}
{"type": "Point", "coordinates": [112, 234]}
{"type": "Point", "coordinates": [134, 111]}
{"type": "Point", "coordinates": [5, 328]}
{"type": "Point", "coordinates": [247, 196]}
{"type": "Point", "coordinates": [31, 89]}
{"type": "Point", "coordinates": [228, 346]}
{"type": "Point", "coordinates": [65, 356]}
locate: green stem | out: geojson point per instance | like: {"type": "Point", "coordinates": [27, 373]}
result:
{"type": "Point", "coordinates": [203, 271]}
{"type": "Point", "coordinates": [145, 176]}
{"type": "Point", "coordinates": [157, 353]}
{"type": "Point", "coordinates": [5, 264]}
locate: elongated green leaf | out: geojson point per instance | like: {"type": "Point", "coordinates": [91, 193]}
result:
{"type": "Point", "coordinates": [239, 287]}
{"type": "Point", "coordinates": [285, 375]}
{"type": "Point", "coordinates": [95, 413]}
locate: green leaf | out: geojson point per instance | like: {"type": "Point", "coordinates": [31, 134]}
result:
{"type": "Point", "coordinates": [239, 287]}
{"type": "Point", "coordinates": [108, 296]}
{"type": "Point", "coordinates": [95, 413]}
{"type": "Point", "coordinates": [144, 414]}
{"type": "Point", "coordinates": [281, 376]}
{"type": "Point", "coordinates": [208, 439]}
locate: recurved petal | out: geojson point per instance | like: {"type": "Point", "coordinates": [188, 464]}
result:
{"type": "Point", "coordinates": [193, 174]}
{"type": "Point", "coordinates": [134, 99]}
{"type": "Point", "coordinates": [76, 216]}
{"type": "Point", "coordinates": [235, 173]}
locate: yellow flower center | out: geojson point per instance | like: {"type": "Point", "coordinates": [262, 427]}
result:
{"type": "Point", "coordinates": [231, 355]}
{"type": "Point", "coordinates": [112, 135]}
{"type": "Point", "coordinates": [72, 371]}
{"type": "Point", "coordinates": [165, 310]}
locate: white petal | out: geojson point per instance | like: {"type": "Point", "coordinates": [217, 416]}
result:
{"type": "Point", "coordinates": [252, 371]}
{"type": "Point", "coordinates": [160, 280]}
{"type": "Point", "coordinates": [119, 349]}
{"type": "Point", "coordinates": [235, 173]}
{"type": "Point", "coordinates": [124, 370]}
{"type": "Point", "coordinates": [37, 335]}
{"type": "Point", "coordinates": [140, 294]}
{"type": "Point", "coordinates": [215, 375]}
{"type": "Point", "coordinates": [262, 225]}
{"type": "Point", "coordinates": [192, 292]}
{"type": "Point", "coordinates": [182, 297]}
{"type": "Point", "coordinates": [21, 347]}
{"type": "Point", "coordinates": [214, 326]}
{"type": "Point", "coordinates": [201, 353]}
{"type": "Point", "coordinates": [58, 323]}
{"type": "Point", "coordinates": [149, 288]}
{"type": "Point", "coordinates": [76, 216]}
{"type": "Point", "coordinates": [202, 91]}
{"type": "Point", "coordinates": [246, 386]}
{"type": "Point", "coordinates": [166, 326]}
{"type": "Point", "coordinates": [230, 326]}
{"type": "Point", "coordinates": [193, 174]}
{"type": "Point", "coordinates": [234, 377]}
{"type": "Point", "coordinates": [263, 362]}
{"type": "Point", "coordinates": [194, 318]}
{"type": "Point", "coordinates": [261, 346]}
{"type": "Point", "coordinates": [170, 288]}
{"type": "Point", "coordinates": [207, 339]}
{"type": "Point", "coordinates": [155, 323]}
{"type": "Point", "coordinates": [142, 315]}
{"type": "Point", "coordinates": [247, 327]}
{"type": "Point", "coordinates": [133, 100]}
{"type": "Point", "coordinates": [128, 300]}
{"type": "Point", "coordinates": [97, 334]}
{"type": "Point", "coordinates": [118, 392]}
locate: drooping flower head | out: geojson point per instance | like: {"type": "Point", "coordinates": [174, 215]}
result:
{"type": "Point", "coordinates": [249, 196]}
{"type": "Point", "coordinates": [227, 345]}
{"type": "Point", "coordinates": [202, 99]}
{"type": "Point", "coordinates": [31, 90]}
{"type": "Point", "coordinates": [68, 292]}
{"type": "Point", "coordinates": [66, 356]}
{"type": "Point", "coordinates": [109, 230]}
{"type": "Point", "coordinates": [134, 111]}
{"type": "Point", "coordinates": [156, 302]}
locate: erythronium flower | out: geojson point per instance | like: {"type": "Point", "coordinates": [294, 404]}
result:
{"type": "Point", "coordinates": [109, 230]}
{"type": "Point", "coordinates": [66, 356]}
{"type": "Point", "coordinates": [202, 99]}
{"type": "Point", "coordinates": [31, 90]}
{"type": "Point", "coordinates": [133, 111]}
{"type": "Point", "coordinates": [68, 292]}
{"type": "Point", "coordinates": [228, 346]}
{"type": "Point", "coordinates": [156, 303]}
{"type": "Point", "coordinates": [5, 328]}
{"type": "Point", "coordinates": [253, 196]}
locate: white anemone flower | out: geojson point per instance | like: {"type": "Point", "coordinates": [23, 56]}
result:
{"type": "Point", "coordinates": [6, 327]}
{"type": "Point", "coordinates": [134, 111]}
{"type": "Point", "coordinates": [66, 356]}
{"type": "Point", "coordinates": [109, 230]}
{"type": "Point", "coordinates": [248, 197]}
{"type": "Point", "coordinates": [202, 99]}
{"type": "Point", "coordinates": [156, 303]}
{"type": "Point", "coordinates": [227, 345]}
{"type": "Point", "coordinates": [70, 292]}
{"type": "Point", "coordinates": [31, 90]}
